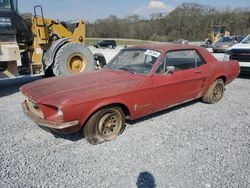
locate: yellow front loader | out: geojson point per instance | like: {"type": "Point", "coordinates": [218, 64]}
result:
{"type": "Point", "coordinates": [215, 34]}
{"type": "Point", "coordinates": [54, 50]}
{"type": "Point", "coordinates": [57, 49]}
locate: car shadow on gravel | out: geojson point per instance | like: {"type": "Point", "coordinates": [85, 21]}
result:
{"type": "Point", "coordinates": [163, 112]}
{"type": "Point", "coordinates": [145, 179]}
{"type": "Point", "coordinates": [11, 86]}
{"type": "Point", "coordinates": [74, 137]}
{"type": "Point", "coordinates": [6, 90]}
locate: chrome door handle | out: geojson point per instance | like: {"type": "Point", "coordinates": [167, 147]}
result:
{"type": "Point", "coordinates": [197, 72]}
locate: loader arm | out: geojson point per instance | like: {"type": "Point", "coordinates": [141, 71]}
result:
{"type": "Point", "coordinates": [39, 45]}
{"type": "Point", "coordinates": [46, 31]}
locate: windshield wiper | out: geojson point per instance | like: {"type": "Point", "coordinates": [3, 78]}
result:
{"type": "Point", "coordinates": [127, 69]}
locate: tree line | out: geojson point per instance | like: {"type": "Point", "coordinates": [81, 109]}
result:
{"type": "Point", "coordinates": [190, 21]}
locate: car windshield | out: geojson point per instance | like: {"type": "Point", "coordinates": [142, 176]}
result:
{"type": "Point", "coordinates": [246, 40]}
{"type": "Point", "coordinates": [239, 39]}
{"type": "Point", "coordinates": [134, 60]}
{"type": "Point", "coordinates": [104, 42]}
{"type": "Point", "coordinates": [5, 4]}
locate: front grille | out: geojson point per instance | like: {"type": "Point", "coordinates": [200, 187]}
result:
{"type": "Point", "coordinates": [245, 69]}
{"type": "Point", "coordinates": [242, 55]}
{"type": "Point", "coordinates": [34, 108]}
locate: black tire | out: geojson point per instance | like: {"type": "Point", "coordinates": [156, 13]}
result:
{"type": "Point", "coordinates": [104, 125]}
{"type": "Point", "coordinates": [100, 59]}
{"type": "Point", "coordinates": [73, 58]}
{"type": "Point", "coordinates": [215, 92]}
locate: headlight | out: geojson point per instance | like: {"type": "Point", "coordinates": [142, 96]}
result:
{"type": "Point", "coordinates": [52, 113]}
{"type": "Point", "coordinates": [5, 22]}
{"type": "Point", "coordinates": [60, 114]}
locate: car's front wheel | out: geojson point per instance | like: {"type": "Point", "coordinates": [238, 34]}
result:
{"type": "Point", "coordinates": [215, 92]}
{"type": "Point", "coordinates": [104, 125]}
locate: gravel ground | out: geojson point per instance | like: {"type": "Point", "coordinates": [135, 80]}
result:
{"type": "Point", "coordinates": [192, 145]}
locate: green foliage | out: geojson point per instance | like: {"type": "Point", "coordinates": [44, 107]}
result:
{"type": "Point", "coordinates": [189, 21]}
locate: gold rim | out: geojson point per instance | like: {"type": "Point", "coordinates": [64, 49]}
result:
{"type": "Point", "coordinates": [218, 92]}
{"type": "Point", "coordinates": [110, 125]}
{"type": "Point", "coordinates": [76, 63]}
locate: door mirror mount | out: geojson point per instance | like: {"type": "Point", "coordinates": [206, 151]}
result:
{"type": "Point", "coordinates": [169, 69]}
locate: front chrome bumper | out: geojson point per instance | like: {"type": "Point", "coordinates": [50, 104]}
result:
{"type": "Point", "coordinates": [45, 123]}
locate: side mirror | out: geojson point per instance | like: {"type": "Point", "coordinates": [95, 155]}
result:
{"type": "Point", "coordinates": [170, 69]}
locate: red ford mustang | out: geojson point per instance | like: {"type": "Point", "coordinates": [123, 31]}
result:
{"type": "Point", "coordinates": [138, 81]}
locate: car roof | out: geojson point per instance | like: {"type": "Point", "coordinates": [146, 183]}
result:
{"type": "Point", "coordinates": [167, 47]}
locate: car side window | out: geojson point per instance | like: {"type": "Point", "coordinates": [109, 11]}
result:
{"type": "Point", "coordinates": [180, 60]}
{"type": "Point", "coordinates": [198, 59]}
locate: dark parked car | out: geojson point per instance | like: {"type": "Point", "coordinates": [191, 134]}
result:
{"type": "Point", "coordinates": [138, 81]}
{"type": "Point", "coordinates": [225, 42]}
{"type": "Point", "coordinates": [105, 44]}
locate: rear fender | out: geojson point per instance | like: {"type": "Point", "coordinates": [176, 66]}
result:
{"type": "Point", "coordinates": [232, 69]}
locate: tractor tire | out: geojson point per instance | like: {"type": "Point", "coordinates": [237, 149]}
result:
{"type": "Point", "coordinates": [215, 92]}
{"type": "Point", "coordinates": [73, 58]}
{"type": "Point", "coordinates": [104, 125]}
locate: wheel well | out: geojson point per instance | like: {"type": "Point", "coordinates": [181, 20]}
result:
{"type": "Point", "coordinates": [223, 78]}
{"type": "Point", "coordinates": [123, 107]}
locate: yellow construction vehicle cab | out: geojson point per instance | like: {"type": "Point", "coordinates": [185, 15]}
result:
{"type": "Point", "coordinates": [215, 34]}
{"type": "Point", "coordinates": [53, 49]}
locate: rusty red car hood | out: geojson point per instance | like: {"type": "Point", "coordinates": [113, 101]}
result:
{"type": "Point", "coordinates": [86, 87]}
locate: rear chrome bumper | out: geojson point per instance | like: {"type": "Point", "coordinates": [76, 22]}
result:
{"type": "Point", "coordinates": [46, 123]}
{"type": "Point", "coordinates": [244, 64]}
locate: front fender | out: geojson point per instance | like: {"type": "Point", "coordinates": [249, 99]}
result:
{"type": "Point", "coordinates": [91, 108]}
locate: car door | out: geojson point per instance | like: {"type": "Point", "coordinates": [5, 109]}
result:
{"type": "Point", "coordinates": [179, 78]}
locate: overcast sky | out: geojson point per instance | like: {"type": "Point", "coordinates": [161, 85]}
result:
{"type": "Point", "coordinates": [90, 10]}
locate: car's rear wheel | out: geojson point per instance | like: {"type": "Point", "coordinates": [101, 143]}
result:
{"type": "Point", "coordinates": [215, 92]}
{"type": "Point", "coordinates": [104, 125]}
